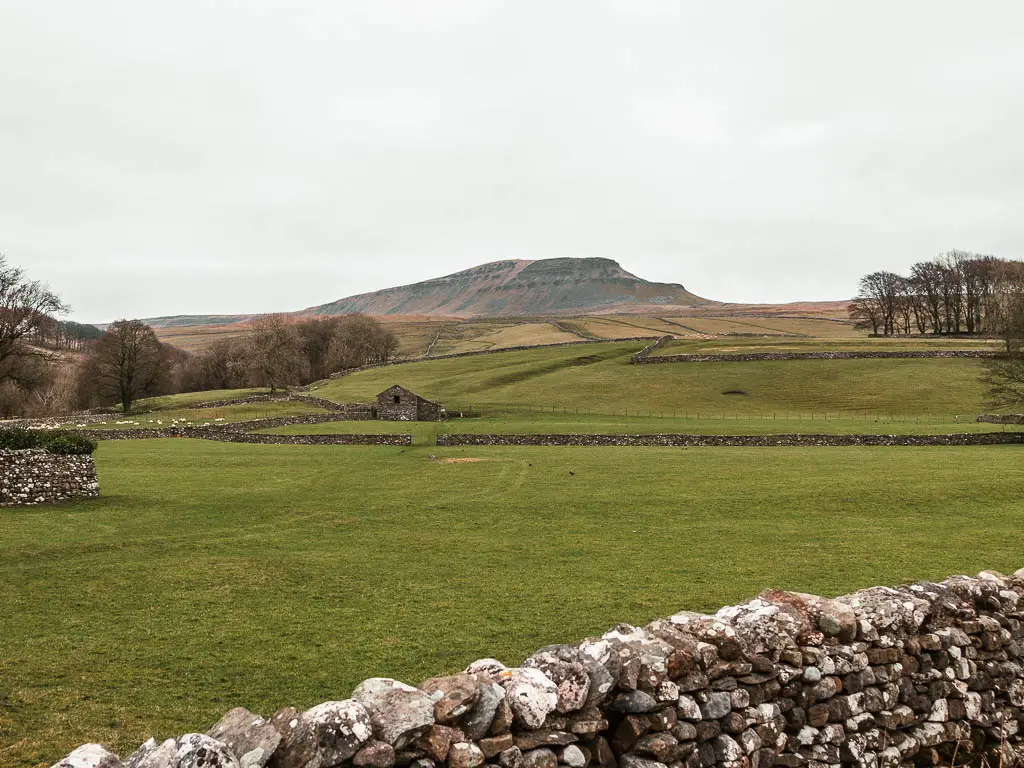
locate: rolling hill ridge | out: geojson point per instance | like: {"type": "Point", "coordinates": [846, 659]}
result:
{"type": "Point", "coordinates": [518, 288]}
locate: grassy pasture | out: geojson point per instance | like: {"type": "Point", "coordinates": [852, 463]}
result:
{"type": "Point", "coordinates": [723, 345]}
{"type": "Point", "coordinates": [211, 575]}
{"type": "Point", "coordinates": [161, 418]}
{"type": "Point", "coordinates": [450, 334]}
{"type": "Point", "coordinates": [185, 399]}
{"type": "Point", "coordinates": [598, 378]}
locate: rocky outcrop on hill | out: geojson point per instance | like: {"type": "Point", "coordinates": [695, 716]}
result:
{"type": "Point", "coordinates": [920, 674]}
{"type": "Point", "coordinates": [517, 288]}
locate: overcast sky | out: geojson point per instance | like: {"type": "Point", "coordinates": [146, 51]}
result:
{"type": "Point", "coordinates": [210, 156]}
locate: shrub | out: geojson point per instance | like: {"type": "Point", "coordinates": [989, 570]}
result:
{"type": "Point", "coordinates": [69, 444]}
{"type": "Point", "coordinates": [16, 439]}
{"type": "Point", "coordinates": [50, 440]}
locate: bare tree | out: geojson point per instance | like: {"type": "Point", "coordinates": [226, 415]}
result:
{"type": "Point", "coordinates": [1004, 375]}
{"type": "Point", "coordinates": [316, 335]}
{"type": "Point", "coordinates": [878, 301]}
{"type": "Point", "coordinates": [276, 359]}
{"type": "Point", "coordinates": [361, 340]}
{"type": "Point", "coordinates": [866, 313]}
{"type": "Point", "coordinates": [26, 308]}
{"type": "Point", "coordinates": [126, 363]}
{"type": "Point", "coordinates": [928, 279]}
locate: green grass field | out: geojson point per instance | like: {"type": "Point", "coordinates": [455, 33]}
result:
{"type": "Point", "coordinates": [212, 575]}
{"type": "Point", "coordinates": [170, 415]}
{"type": "Point", "coordinates": [599, 379]}
{"type": "Point", "coordinates": [723, 345]}
{"type": "Point", "coordinates": [185, 399]}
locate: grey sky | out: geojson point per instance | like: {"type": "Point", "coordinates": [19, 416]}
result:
{"type": "Point", "coordinates": [245, 156]}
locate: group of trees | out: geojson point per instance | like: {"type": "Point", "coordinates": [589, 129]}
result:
{"type": "Point", "coordinates": [279, 351]}
{"type": "Point", "coordinates": [27, 370]}
{"type": "Point", "coordinates": [129, 362]}
{"type": "Point", "coordinates": [956, 293]}
{"type": "Point", "coordinates": [63, 334]}
{"type": "Point", "coordinates": [50, 366]}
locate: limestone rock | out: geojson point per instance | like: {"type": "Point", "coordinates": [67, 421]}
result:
{"type": "Point", "coordinates": [153, 755]}
{"type": "Point", "coordinates": [399, 713]}
{"type": "Point", "coordinates": [465, 755]}
{"type": "Point", "coordinates": [374, 754]}
{"type": "Point", "coordinates": [495, 745]}
{"type": "Point", "coordinates": [532, 696]}
{"type": "Point", "coordinates": [563, 666]}
{"type": "Point", "coordinates": [573, 757]}
{"type": "Point", "coordinates": [490, 668]}
{"type": "Point", "coordinates": [452, 696]}
{"type": "Point", "coordinates": [511, 758]}
{"type": "Point", "coordinates": [249, 736]}
{"type": "Point", "coordinates": [437, 740]}
{"type": "Point", "coordinates": [539, 758]}
{"type": "Point", "coordinates": [90, 756]}
{"type": "Point", "coordinates": [601, 661]}
{"type": "Point", "coordinates": [298, 745]}
{"type": "Point", "coordinates": [197, 750]}
{"type": "Point", "coordinates": [338, 729]}
{"type": "Point", "coordinates": [478, 722]}
{"type": "Point", "coordinates": [527, 740]}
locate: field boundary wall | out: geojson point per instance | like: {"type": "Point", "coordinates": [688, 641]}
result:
{"type": "Point", "coordinates": [35, 476]}
{"type": "Point", "coordinates": [1001, 418]}
{"type": "Point", "coordinates": [920, 674]}
{"type": "Point", "coordinates": [746, 357]}
{"type": "Point", "coordinates": [697, 441]}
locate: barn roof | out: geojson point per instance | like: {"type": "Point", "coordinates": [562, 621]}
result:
{"type": "Point", "coordinates": [399, 388]}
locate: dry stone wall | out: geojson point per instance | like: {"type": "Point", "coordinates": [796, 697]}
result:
{"type": "Point", "coordinates": [1002, 418]}
{"type": "Point", "coordinates": [695, 441]}
{"type": "Point", "coordinates": [915, 675]}
{"type": "Point", "coordinates": [35, 476]}
{"type": "Point", "coordinates": [240, 432]}
{"type": "Point", "coordinates": [756, 356]}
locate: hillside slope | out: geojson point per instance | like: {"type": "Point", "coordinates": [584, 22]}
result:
{"type": "Point", "coordinates": [516, 288]}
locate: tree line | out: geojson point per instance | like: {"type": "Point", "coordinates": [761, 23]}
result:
{"type": "Point", "coordinates": [128, 361]}
{"type": "Point", "coordinates": [50, 366]}
{"type": "Point", "coordinates": [955, 293]}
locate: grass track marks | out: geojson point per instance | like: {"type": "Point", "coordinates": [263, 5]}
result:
{"type": "Point", "coordinates": [518, 377]}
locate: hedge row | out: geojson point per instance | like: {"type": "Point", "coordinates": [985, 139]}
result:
{"type": "Point", "coordinates": [54, 441]}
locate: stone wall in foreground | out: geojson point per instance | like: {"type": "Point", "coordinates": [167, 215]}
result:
{"type": "Point", "coordinates": [35, 476]}
{"type": "Point", "coordinates": [920, 674]}
{"type": "Point", "coordinates": [753, 441]}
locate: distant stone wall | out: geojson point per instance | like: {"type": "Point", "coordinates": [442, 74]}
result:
{"type": "Point", "coordinates": [241, 432]}
{"type": "Point", "coordinates": [1002, 418]}
{"type": "Point", "coordinates": [747, 357]}
{"type": "Point", "coordinates": [696, 441]}
{"type": "Point", "coordinates": [34, 476]}
{"type": "Point", "coordinates": [280, 397]}
{"type": "Point", "coordinates": [916, 675]}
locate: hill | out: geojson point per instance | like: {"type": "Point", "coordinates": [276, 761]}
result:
{"type": "Point", "coordinates": [519, 287]}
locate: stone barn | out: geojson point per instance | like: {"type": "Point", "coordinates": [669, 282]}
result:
{"type": "Point", "coordinates": [397, 403]}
